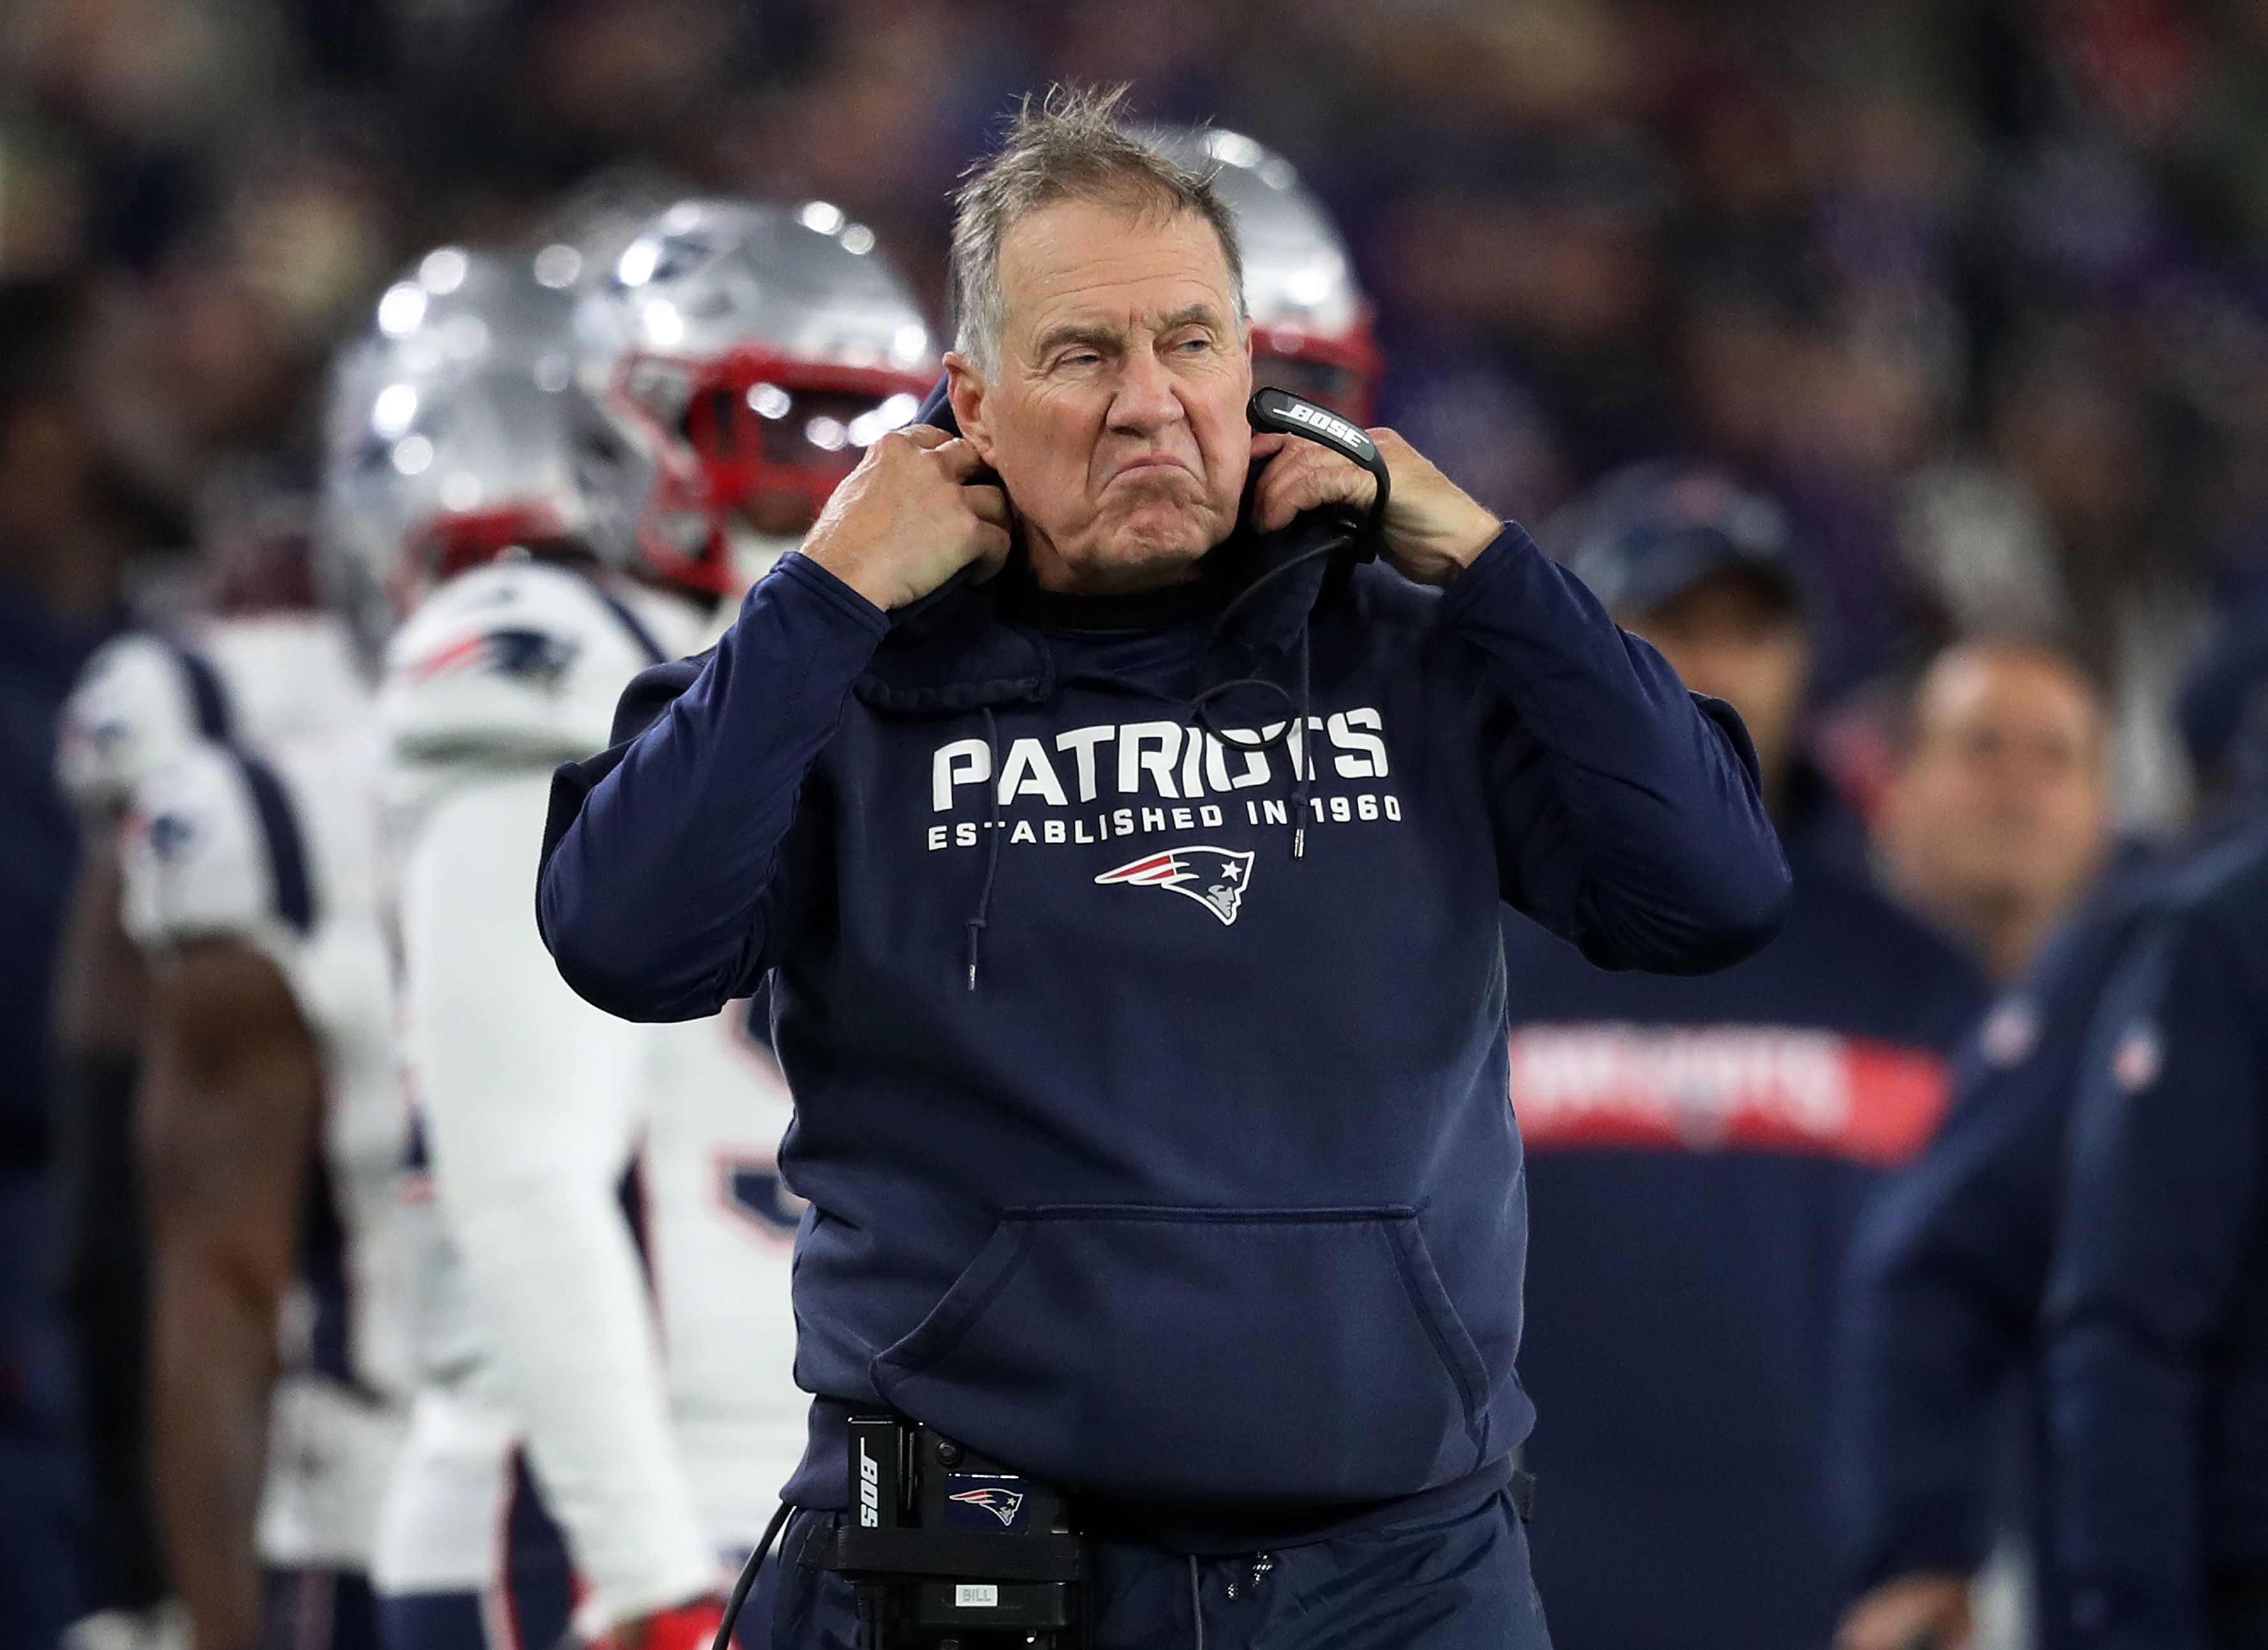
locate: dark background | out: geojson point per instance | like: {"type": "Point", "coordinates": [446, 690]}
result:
{"type": "Point", "coordinates": [1976, 287]}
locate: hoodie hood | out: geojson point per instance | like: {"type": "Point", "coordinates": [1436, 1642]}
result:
{"type": "Point", "coordinates": [958, 649]}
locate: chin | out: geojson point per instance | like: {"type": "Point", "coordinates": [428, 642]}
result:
{"type": "Point", "coordinates": [1146, 547]}
{"type": "Point", "coordinates": [1165, 534]}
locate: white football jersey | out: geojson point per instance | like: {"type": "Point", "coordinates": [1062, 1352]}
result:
{"type": "Point", "coordinates": [720, 1230]}
{"type": "Point", "coordinates": [279, 848]}
{"type": "Point", "coordinates": [517, 665]}
{"type": "Point", "coordinates": [144, 697]}
{"type": "Point", "coordinates": [606, 1283]}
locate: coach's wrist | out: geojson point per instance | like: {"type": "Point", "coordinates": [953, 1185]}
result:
{"type": "Point", "coordinates": [877, 585]}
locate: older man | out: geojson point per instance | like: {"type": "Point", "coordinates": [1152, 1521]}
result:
{"type": "Point", "coordinates": [1132, 918]}
{"type": "Point", "coordinates": [1998, 819]}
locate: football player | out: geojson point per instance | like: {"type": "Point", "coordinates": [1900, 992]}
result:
{"type": "Point", "coordinates": [227, 771]}
{"type": "Point", "coordinates": [607, 1408]}
{"type": "Point", "coordinates": [1312, 331]}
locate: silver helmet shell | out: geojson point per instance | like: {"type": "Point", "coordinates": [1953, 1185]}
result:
{"type": "Point", "coordinates": [1311, 325]}
{"type": "Point", "coordinates": [747, 354]}
{"type": "Point", "coordinates": [454, 427]}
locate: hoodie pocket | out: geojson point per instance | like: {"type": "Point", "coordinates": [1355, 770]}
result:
{"type": "Point", "coordinates": [1297, 1355]}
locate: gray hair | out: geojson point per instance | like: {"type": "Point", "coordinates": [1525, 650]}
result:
{"type": "Point", "coordinates": [1071, 147]}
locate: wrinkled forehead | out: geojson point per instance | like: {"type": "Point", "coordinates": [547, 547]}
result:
{"type": "Point", "coordinates": [1117, 264]}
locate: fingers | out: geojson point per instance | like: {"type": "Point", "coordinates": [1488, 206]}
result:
{"type": "Point", "coordinates": [1306, 476]}
{"type": "Point", "coordinates": [959, 459]}
{"type": "Point", "coordinates": [987, 503]}
{"type": "Point", "coordinates": [992, 553]}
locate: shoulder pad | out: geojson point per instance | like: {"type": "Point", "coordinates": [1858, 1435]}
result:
{"type": "Point", "coordinates": [517, 661]}
{"type": "Point", "coordinates": [140, 702]}
{"type": "Point", "coordinates": [213, 848]}
{"type": "Point", "coordinates": [143, 699]}
{"type": "Point", "coordinates": [286, 675]}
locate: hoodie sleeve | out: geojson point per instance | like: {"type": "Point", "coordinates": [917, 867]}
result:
{"type": "Point", "coordinates": [1626, 810]}
{"type": "Point", "coordinates": [664, 881]}
{"type": "Point", "coordinates": [2161, 1209]}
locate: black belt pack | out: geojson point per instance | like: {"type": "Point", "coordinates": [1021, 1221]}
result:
{"type": "Point", "coordinates": [945, 1548]}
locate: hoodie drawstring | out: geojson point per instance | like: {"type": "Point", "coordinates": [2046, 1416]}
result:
{"type": "Point", "coordinates": [980, 919]}
{"type": "Point", "coordinates": [1293, 737]}
{"type": "Point", "coordinates": [1302, 754]}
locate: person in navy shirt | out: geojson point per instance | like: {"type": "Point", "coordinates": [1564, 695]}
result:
{"type": "Point", "coordinates": [1942, 1319]}
{"type": "Point", "coordinates": [2157, 1376]}
{"type": "Point", "coordinates": [2157, 1304]}
{"type": "Point", "coordinates": [1941, 1308]}
{"type": "Point", "coordinates": [1700, 1149]}
{"type": "Point", "coordinates": [1131, 917]}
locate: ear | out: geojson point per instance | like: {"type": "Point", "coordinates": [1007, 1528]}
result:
{"type": "Point", "coordinates": [966, 389]}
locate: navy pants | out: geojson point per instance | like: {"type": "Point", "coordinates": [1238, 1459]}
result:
{"type": "Point", "coordinates": [1458, 1584]}
{"type": "Point", "coordinates": [318, 1609]}
{"type": "Point", "coordinates": [42, 1575]}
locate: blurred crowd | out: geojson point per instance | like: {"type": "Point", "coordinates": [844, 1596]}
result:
{"type": "Point", "coordinates": [1976, 293]}
{"type": "Point", "coordinates": [1971, 288]}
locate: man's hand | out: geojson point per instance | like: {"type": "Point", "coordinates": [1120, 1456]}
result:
{"type": "Point", "coordinates": [1433, 529]}
{"type": "Point", "coordinates": [903, 522]}
{"type": "Point", "coordinates": [1914, 1612]}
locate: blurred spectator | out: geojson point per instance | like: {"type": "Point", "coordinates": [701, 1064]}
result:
{"type": "Point", "coordinates": [1939, 1347]}
{"type": "Point", "coordinates": [2157, 1309]}
{"type": "Point", "coordinates": [1997, 816]}
{"type": "Point", "coordinates": [61, 562]}
{"type": "Point", "coordinates": [1700, 1149]}
{"type": "Point", "coordinates": [1942, 1316]}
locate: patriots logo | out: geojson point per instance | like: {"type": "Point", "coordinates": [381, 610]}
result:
{"type": "Point", "coordinates": [536, 655]}
{"type": "Point", "coordinates": [170, 833]}
{"type": "Point", "coordinates": [1002, 1504]}
{"type": "Point", "coordinates": [1215, 878]}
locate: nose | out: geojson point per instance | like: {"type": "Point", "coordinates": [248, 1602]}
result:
{"type": "Point", "coordinates": [1144, 401]}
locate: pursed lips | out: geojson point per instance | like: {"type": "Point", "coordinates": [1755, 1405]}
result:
{"type": "Point", "coordinates": [1148, 464]}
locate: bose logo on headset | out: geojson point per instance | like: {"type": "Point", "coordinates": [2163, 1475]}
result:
{"type": "Point", "coordinates": [870, 1490]}
{"type": "Point", "coordinates": [1315, 419]}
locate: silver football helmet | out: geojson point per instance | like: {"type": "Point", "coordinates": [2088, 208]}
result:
{"type": "Point", "coordinates": [747, 354]}
{"type": "Point", "coordinates": [455, 426]}
{"type": "Point", "coordinates": [1311, 325]}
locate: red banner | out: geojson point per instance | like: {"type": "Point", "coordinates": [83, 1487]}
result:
{"type": "Point", "coordinates": [1714, 1088]}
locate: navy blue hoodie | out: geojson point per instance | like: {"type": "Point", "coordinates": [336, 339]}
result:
{"type": "Point", "coordinates": [1700, 1151]}
{"type": "Point", "coordinates": [1141, 1153]}
{"type": "Point", "coordinates": [2157, 1307]}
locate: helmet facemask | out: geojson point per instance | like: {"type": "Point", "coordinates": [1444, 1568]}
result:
{"type": "Point", "coordinates": [751, 432]}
